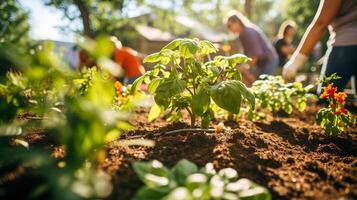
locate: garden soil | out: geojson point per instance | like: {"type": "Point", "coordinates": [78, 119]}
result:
{"type": "Point", "coordinates": [287, 154]}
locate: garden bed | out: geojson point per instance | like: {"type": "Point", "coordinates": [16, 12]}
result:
{"type": "Point", "coordinates": [288, 155]}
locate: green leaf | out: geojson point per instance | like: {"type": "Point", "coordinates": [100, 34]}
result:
{"type": "Point", "coordinates": [167, 89]}
{"type": "Point", "coordinates": [256, 193]}
{"type": "Point", "coordinates": [173, 44]}
{"type": "Point", "coordinates": [180, 193]}
{"type": "Point", "coordinates": [246, 93]}
{"type": "Point", "coordinates": [288, 108]}
{"type": "Point", "coordinates": [104, 47]}
{"type": "Point", "coordinates": [152, 58]}
{"type": "Point", "coordinates": [201, 101]}
{"type": "Point", "coordinates": [183, 169]}
{"type": "Point", "coordinates": [302, 106]}
{"type": "Point", "coordinates": [188, 48]}
{"type": "Point", "coordinates": [207, 117]}
{"type": "Point", "coordinates": [154, 113]}
{"type": "Point", "coordinates": [147, 193]}
{"type": "Point", "coordinates": [153, 85]}
{"type": "Point", "coordinates": [228, 95]}
{"type": "Point", "coordinates": [228, 174]}
{"type": "Point", "coordinates": [137, 83]}
{"type": "Point", "coordinates": [237, 59]}
{"type": "Point", "coordinates": [153, 173]}
{"type": "Point", "coordinates": [206, 47]}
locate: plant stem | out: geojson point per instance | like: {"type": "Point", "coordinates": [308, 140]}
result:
{"type": "Point", "coordinates": [193, 120]}
{"type": "Point", "coordinates": [192, 116]}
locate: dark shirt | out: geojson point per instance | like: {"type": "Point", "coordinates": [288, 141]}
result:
{"type": "Point", "coordinates": [279, 44]}
{"type": "Point", "coordinates": [256, 44]}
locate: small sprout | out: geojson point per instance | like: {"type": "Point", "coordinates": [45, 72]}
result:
{"type": "Point", "coordinates": [273, 93]}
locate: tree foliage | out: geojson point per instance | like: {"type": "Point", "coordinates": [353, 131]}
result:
{"type": "Point", "coordinates": [301, 11]}
{"type": "Point", "coordinates": [14, 27]}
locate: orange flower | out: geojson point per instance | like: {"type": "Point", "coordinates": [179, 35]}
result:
{"type": "Point", "coordinates": [341, 97]}
{"type": "Point", "coordinates": [341, 110]}
{"type": "Point", "coordinates": [118, 87]}
{"type": "Point", "coordinates": [329, 91]}
{"type": "Point", "coordinates": [226, 48]}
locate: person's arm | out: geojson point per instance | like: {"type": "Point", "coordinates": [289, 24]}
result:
{"type": "Point", "coordinates": [252, 47]}
{"type": "Point", "coordinates": [326, 12]}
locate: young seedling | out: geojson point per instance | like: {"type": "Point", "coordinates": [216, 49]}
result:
{"type": "Point", "coordinates": [335, 118]}
{"type": "Point", "coordinates": [182, 80]}
{"type": "Point", "coordinates": [271, 92]}
{"type": "Point", "coordinates": [186, 181]}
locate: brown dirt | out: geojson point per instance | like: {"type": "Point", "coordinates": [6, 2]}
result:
{"type": "Point", "coordinates": [288, 155]}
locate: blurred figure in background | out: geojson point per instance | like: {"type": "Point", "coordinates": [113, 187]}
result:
{"type": "Point", "coordinates": [129, 60]}
{"type": "Point", "coordinates": [341, 57]}
{"type": "Point", "coordinates": [283, 43]}
{"type": "Point", "coordinates": [255, 45]}
{"type": "Point", "coordinates": [85, 61]}
{"type": "Point", "coordinates": [126, 58]}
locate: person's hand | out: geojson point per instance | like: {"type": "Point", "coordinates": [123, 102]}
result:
{"type": "Point", "coordinates": [293, 65]}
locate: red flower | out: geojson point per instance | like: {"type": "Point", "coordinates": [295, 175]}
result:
{"type": "Point", "coordinates": [341, 97]}
{"type": "Point", "coordinates": [118, 87]}
{"type": "Point", "coordinates": [341, 110]}
{"type": "Point", "coordinates": [329, 91]}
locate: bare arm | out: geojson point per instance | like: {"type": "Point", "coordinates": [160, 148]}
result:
{"type": "Point", "coordinates": [325, 14]}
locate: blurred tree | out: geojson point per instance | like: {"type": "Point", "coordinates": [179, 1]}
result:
{"type": "Point", "coordinates": [97, 17]}
{"type": "Point", "coordinates": [211, 13]}
{"type": "Point", "coordinates": [14, 27]}
{"type": "Point", "coordinates": [94, 14]}
{"type": "Point", "coordinates": [248, 8]}
{"type": "Point", "coordinates": [112, 17]}
{"type": "Point", "coordinates": [14, 30]}
{"type": "Point", "coordinates": [301, 11]}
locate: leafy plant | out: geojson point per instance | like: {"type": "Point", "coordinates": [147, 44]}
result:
{"type": "Point", "coordinates": [12, 96]}
{"type": "Point", "coordinates": [335, 118]}
{"type": "Point", "coordinates": [73, 113]}
{"type": "Point", "coordinates": [186, 182]}
{"type": "Point", "coordinates": [271, 92]}
{"type": "Point", "coordinates": [182, 80]}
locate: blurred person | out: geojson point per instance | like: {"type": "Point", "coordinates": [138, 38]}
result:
{"type": "Point", "coordinates": [85, 61]}
{"type": "Point", "coordinates": [283, 43]}
{"type": "Point", "coordinates": [255, 45]}
{"type": "Point", "coordinates": [129, 60]}
{"type": "Point", "coordinates": [340, 17]}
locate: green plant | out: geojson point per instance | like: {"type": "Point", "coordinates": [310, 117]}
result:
{"type": "Point", "coordinates": [271, 92]}
{"type": "Point", "coordinates": [71, 112]}
{"type": "Point", "coordinates": [12, 96]}
{"type": "Point", "coordinates": [335, 118]}
{"type": "Point", "coordinates": [186, 182]}
{"type": "Point", "coordinates": [182, 80]}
